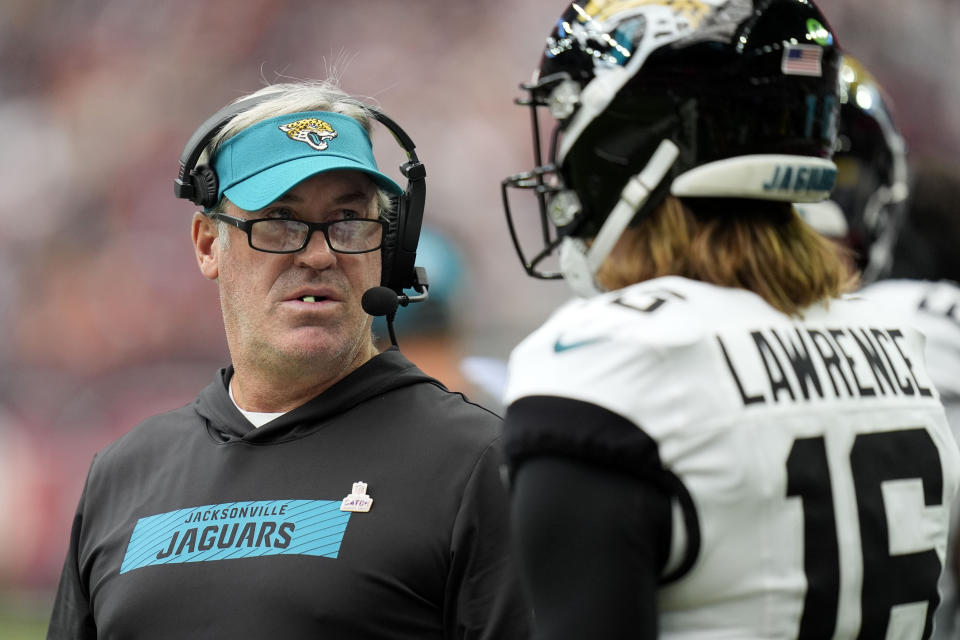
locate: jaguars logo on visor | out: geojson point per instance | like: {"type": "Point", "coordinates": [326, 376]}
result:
{"type": "Point", "coordinates": [313, 131]}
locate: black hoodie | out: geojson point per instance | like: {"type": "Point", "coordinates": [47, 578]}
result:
{"type": "Point", "coordinates": [198, 525]}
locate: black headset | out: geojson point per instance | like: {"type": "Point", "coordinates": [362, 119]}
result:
{"type": "Point", "coordinates": [199, 184]}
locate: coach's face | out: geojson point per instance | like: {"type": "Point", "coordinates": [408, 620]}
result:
{"type": "Point", "coordinates": [295, 314]}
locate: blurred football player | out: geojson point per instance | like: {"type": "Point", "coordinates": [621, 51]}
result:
{"type": "Point", "coordinates": [711, 441]}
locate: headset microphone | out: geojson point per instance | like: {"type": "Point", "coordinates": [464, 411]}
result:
{"type": "Point", "coordinates": [383, 301]}
{"type": "Point", "coordinates": [380, 301]}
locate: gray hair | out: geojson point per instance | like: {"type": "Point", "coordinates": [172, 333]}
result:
{"type": "Point", "coordinates": [294, 97]}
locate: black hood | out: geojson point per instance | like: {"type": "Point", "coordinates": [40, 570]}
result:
{"type": "Point", "coordinates": [380, 375]}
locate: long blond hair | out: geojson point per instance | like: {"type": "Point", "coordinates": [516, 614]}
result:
{"type": "Point", "coordinates": [763, 247]}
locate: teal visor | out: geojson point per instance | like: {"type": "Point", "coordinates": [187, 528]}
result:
{"type": "Point", "coordinates": [264, 161]}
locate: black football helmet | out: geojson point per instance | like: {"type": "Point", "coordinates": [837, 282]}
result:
{"type": "Point", "coordinates": [701, 99]}
{"type": "Point", "coordinates": [867, 207]}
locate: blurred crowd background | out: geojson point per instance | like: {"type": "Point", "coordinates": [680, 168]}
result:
{"type": "Point", "coordinates": [105, 318]}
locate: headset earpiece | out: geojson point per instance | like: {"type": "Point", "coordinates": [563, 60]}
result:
{"type": "Point", "coordinates": [387, 251]}
{"type": "Point", "coordinates": [206, 186]}
{"type": "Point", "coordinates": [399, 254]}
{"type": "Point", "coordinates": [199, 184]}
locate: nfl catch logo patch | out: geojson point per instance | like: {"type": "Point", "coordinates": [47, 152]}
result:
{"type": "Point", "coordinates": [312, 131]}
{"type": "Point", "coordinates": [802, 60]}
{"type": "Point", "coordinates": [358, 501]}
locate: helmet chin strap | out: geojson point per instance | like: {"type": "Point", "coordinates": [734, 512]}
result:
{"type": "Point", "coordinates": [580, 263]}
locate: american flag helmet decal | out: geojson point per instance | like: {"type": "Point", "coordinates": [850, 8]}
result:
{"type": "Point", "coordinates": [802, 60]}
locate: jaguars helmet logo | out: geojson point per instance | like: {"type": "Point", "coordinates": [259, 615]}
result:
{"type": "Point", "coordinates": [313, 131]}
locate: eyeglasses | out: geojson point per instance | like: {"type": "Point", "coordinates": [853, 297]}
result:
{"type": "Point", "coordinates": [283, 235]}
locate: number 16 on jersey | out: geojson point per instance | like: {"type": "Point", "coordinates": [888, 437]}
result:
{"type": "Point", "coordinates": [893, 474]}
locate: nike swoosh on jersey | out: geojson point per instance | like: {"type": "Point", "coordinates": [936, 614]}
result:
{"type": "Point", "coordinates": [559, 346]}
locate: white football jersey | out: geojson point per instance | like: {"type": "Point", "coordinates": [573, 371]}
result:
{"type": "Point", "coordinates": [816, 460]}
{"type": "Point", "coordinates": [934, 309]}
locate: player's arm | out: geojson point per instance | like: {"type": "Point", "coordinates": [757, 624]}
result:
{"type": "Point", "coordinates": [591, 521]}
{"type": "Point", "coordinates": [484, 599]}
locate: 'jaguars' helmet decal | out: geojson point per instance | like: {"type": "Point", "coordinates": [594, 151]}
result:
{"type": "Point", "coordinates": [313, 131]}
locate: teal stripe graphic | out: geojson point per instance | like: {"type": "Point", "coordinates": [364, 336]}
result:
{"type": "Point", "coordinates": [237, 530]}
